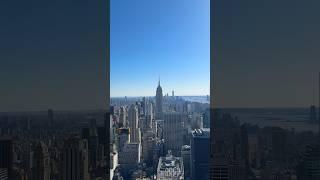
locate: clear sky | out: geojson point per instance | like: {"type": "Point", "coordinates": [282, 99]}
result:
{"type": "Point", "coordinates": [266, 53]}
{"type": "Point", "coordinates": [166, 38]}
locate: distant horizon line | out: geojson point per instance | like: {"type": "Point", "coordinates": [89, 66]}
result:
{"type": "Point", "coordinates": [155, 95]}
{"type": "Point", "coordinates": [106, 110]}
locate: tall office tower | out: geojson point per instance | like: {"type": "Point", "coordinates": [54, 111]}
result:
{"type": "Point", "coordinates": [133, 119]}
{"type": "Point", "coordinates": [159, 103]}
{"type": "Point", "coordinates": [170, 168]}
{"type": "Point", "coordinates": [200, 154]}
{"type": "Point", "coordinates": [123, 138]}
{"type": "Point", "coordinates": [138, 105]}
{"type": "Point", "coordinates": [144, 105]}
{"type": "Point", "coordinates": [149, 114]}
{"type": "Point", "coordinates": [6, 156]}
{"type": "Point", "coordinates": [130, 155]}
{"type": "Point", "coordinates": [186, 156]}
{"type": "Point", "coordinates": [50, 117]}
{"type": "Point", "coordinates": [173, 132]}
{"type": "Point", "coordinates": [41, 163]}
{"type": "Point", "coordinates": [148, 143]}
{"type": "Point", "coordinates": [75, 159]}
{"type": "Point", "coordinates": [123, 116]}
{"type": "Point", "coordinates": [158, 128]}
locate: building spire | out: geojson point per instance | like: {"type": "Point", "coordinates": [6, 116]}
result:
{"type": "Point", "coordinates": [159, 81]}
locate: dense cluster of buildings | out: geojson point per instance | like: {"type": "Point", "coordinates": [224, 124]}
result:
{"type": "Point", "coordinates": [159, 138]}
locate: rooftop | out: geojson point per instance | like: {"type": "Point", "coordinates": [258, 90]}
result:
{"type": "Point", "coordinates": [170, 163]}
{"type": "Point", "coordinates": [201, 133]}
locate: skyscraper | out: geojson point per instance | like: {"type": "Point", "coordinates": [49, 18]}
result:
{"type": "Point", "coordinates": [200, 143]}
{"type": "Point", "coordinates": [123, 116]}
{"type": "Point", "coordinates": [173, 132]}
{"type": "Point", "coordinates": [149, 114]}
{"type": "Point", "coordinates": [159, 102]}
{"type": "Point", "coordinates": [148, 144]}
{"type": "Point", "coordinates": [186, 155]}
{"type": "Point", "coordinates": [133, 118]}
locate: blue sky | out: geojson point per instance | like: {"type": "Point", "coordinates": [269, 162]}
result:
{"type": "Point", "coordinates": [166, 38]}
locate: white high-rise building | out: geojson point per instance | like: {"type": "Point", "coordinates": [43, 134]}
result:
{"type": "Point", "coordinates": [123, 116]}
{"type": "Point", "coordinates": [113, 163]}
{"type": "Point", "coordinates": [149, 114]}
{"type": "Point", "coordinates": [133, 119]}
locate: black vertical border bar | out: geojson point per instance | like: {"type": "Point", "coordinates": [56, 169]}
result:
{"type": "Point", "coordinates": [107, 98]}
{"type": "Point", "coordinates": [211, 91]}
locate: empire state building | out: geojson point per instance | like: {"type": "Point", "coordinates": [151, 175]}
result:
{"type": "Point", "coordinates": [159, 102]}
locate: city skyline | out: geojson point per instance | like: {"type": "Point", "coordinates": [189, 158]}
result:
{"type": "Point", "coordinates": [166, 92]}
{"type": "Point", "coordinates": [147, 43]}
